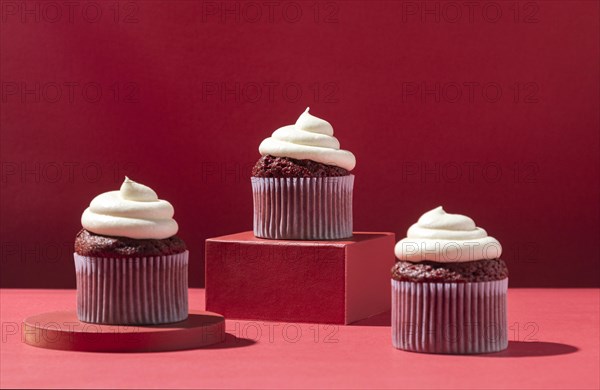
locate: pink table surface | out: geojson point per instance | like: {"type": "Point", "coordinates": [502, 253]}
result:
{"type": "Point", "coordinates": [554, 343]}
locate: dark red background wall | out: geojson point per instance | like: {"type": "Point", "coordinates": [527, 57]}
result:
{"type": "Point", "coordinates": [490, 109]}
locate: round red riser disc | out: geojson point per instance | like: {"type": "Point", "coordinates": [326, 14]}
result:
{"type": "Point", "coordinates": [62, 330]}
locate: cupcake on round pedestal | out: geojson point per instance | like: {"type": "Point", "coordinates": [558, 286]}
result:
{"type": "Point", "coordinates": [302, 185]}
{"type": "Point", "coordinates": [131, 267]}
{"type": "Point", "coordinates": [449, 288]}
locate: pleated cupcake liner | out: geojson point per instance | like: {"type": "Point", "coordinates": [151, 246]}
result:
{"type": "Point", "coordinates": [132, 291]}
{"type": "Point", "coordinates": [450, 318]}
{"type": "Point", "coordinates": [303, 208]}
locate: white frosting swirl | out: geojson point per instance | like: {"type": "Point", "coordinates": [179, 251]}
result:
{"type": "Point", "coordinates": [134, 211]}
{"type": "Point", "coordinates": [446, 238]}
{"type": "Point", "coordinates": [311, 138]}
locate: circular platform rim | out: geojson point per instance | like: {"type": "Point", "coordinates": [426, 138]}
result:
{"type": "Point", "coordinates": [61, 330]}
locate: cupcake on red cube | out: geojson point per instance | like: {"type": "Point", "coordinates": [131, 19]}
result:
{"type": "Point", "coordinates": [131, 267]}
{"type": "Point", "coordinates": [449, 288]}
{"type": "Point", "coordinates": [302, 185]}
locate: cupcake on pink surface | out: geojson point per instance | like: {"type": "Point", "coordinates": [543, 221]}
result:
{"type": "Point", "coordinates": [302, 185]}
{"type": "Point", "coordinates": [449, 288]}
{"type": "Point", "coordinates": [131, 267]}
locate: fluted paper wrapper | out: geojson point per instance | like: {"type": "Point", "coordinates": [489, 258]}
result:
{"type": "Point", "coordinates": [451, 318]}
{"type": "Point", "coordinates": [315, 208]}
{"type": "Point", "coordinates": [132, 291]}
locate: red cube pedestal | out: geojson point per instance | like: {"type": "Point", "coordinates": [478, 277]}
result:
{"type": "Point", "coordinates": [333, 282]}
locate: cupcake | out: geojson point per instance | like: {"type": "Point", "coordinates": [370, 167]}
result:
{"type": "Point", "coordinates": [302, 186]}
{"type": "Point", "coordinates": [449, 288]}
{"type": "Point", "coordinates": [131, 267]}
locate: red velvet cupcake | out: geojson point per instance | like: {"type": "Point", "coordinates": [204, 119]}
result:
{"type": "Point", "coordinates": [302, 186]}
{"type": "Point", "coordinates": [449, 288]}
{"type": "Point", "coordinates": [131, 267]}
